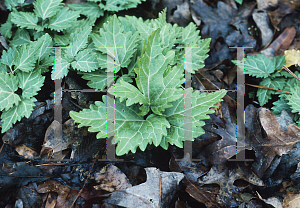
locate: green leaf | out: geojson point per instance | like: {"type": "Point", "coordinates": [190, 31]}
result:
{"type": "Point", "coordinates": [199, 47]}
{"type": "Point", "coordinates": [79, 24]}
{"type": "Point", "coordinates": [16, 113]}
{"type": "Point", "coordinates": [25, 58]}
{"type": "Point", "coordinates": [46, 8]}
{"type": "Point", "coordinates": [30, 83]}
{"type": "Point", "coordinates": [20, 38]}
{"type": "Point", "coordinates": [8, 57]}
{"type": "Point", "coordinates": [239, 1]}
{"type": "Point", "coordinates": [294, 98]}
{"type": "Point", "coordinates": [6, 30]}
{"type": "Point", "coordinates": [201, 104]}
{"type": "Point", "coordinates": [62, 39]}
{"type": "Point", "coordinates": [13, 3]}
{"type": "Point", "coordinates": [96, 79]}
{"type": "Point", "coordinates": [113, 35]}
{"type": "Point", "coordinates": [8, 85]}
{"type": "Point", "coordinates": [190, 34]}
{"type": "Point", "coordinates": [36, 34]}
{"type": "Point", "coordinates": [280, 105]}
{"type": "Point", "coordinates": [144, 28]}
{"type": "Point", "coordinates": [131, 130]}
{"type": "Point", "coordinates": [63, 19]}
{"type": "Point", "coordinates": [278, 62]}
{"type": "Point", "coordinates": [259, 66]}
{"type": "Point", "coordinates": [156, 89]}
{"type": "Point", "coordinates": [118, 5]}
{"type": "Point", "coordinates": [55, 74]}
{"type": "Point", "coordinates": [3, 68]}
{"type": "Point", "coordinates": [42, 43]}
{"type": "Point", "coordinates": [126, 78]}
{"type": "Point", "coordinates": [288, 85]}
{"type": "Point", "coordinates": [85, 61]}
{"type": "Point", "coordinates": [264, 94]}
{"type": "Point", "coordinates": [79, 40]}
{"type": "Point", "coordinates": [130, 23]}
{"type": "Point", "coordinates": [25, 20]}
{"type": "Point", "coordinates": [89, 9]}
{"type": "Point", "coordinates": [44, 64]}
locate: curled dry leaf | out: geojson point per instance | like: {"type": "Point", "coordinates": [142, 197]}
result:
{"type": "Point", "coordinates": [291, 201]}
{"type": "Point", "coordinates": [225, 175]}
{"type": "Point", "coordinates": [112, 179]}
{"type": "Point", "coordinates": [278, 142]}
{"type": "Point", "coordinates": [159, 185]}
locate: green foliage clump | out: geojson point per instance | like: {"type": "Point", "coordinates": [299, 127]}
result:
{"type": "Point", "coordinates": [261, 66]}
{"type": "Point", "coordinates": [148, 110]}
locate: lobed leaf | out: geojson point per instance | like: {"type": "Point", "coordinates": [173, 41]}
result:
{"type": "Point", "coordinates": [96, 79]}
{"type": "Point", "coordinates": [63, 19]}
{"type": "Point", "coordinates": [89, 9]}
{"type": "Point", "coordinates": [46, 8]}
{"type": "Point", "coordinates": [294, 98]}
{"type": "Point", "coordinates": [41, 44]}
{"type": "Point", "coordinates": [30, 83]}
{"type": "Point", "coordinates": [21, 37]}
{"type": "Point", "coordinates": [201, 104]}
{"type": "Point", "coordinates": [56, 74]}
{"type": "Point", "coordinates": [8, 86]}
{"type": "Point", "coordinates": [259, 66]}
{"type": "Point", "coordinates": [78, 40]}
{"type": "Point", "coordinates": [155, 88]}
{"type": "Point", "coordinates": [25, 20]}
{"type": "Point", "coordinates": [118, 5]}
{"type": "Point", "coordinates": [6, 30]}
{"type": "Point", "coordinates": [16, 113]}
{"type": "Point", "coordinates": [85, 61]}
{"type": "Point", "coordinates": [131, 130]}
{"type": "Point", "coordinates": [25, 58]}
{"type": "Point", "coordinates": [13, 3]}
{"type": "Point", "coordinates": [113, 35]}
{"type": "Point", "coordinates": [8, 57]}
{"type": "Point", "coordinates": [264, 95]}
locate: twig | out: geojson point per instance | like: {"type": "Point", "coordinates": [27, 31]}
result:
{"type": "Point", "coordinates": [84, 182]}
{"type": "Point", "coordinates": [289, 71]}
{"type": "Point", "coordinates": [269, 88]}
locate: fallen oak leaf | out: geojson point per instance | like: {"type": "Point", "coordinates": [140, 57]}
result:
{"type": "Point", "coordinates": [157, 191]}
{"type": "Point", "coordinates": [192, 172]}
{"type": "Point", "coordinates": [225, 148]}
{"type": "Point", "coordinates": [224, 175]}
{"type": "Point", "coordinates": [278, 142]}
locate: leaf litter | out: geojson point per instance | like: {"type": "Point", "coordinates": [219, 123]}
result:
{"type": "Point", "coordinates": [273, 141]}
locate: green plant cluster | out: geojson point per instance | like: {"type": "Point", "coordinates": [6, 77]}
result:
{"type": "Point", "coordinates": [147, 110]}
{"type": "Point", "coordinates": [269, 69]}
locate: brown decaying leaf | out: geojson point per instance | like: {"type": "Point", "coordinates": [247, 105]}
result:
{"type": "Point", "coordinates": [284, 139]}
{"type": "Point", "coordinates": [26, 152]}
{"type": "Point", "coordinates": [291, 201]}
{"type": "Point", "coordinates": [65, 196]}
{"type": "Point", "coordinates": [51, 201]}
{"type": "Point", "coordinates": [177, 12]}
{"type": "Point", "coordinates": [157, 191]}
{"type": "Point", "coordinates": [283, 41]}
{"type": "Point", "coordinates": [265, 4]}
{"type": "Point", "coordinates": [225, 148]}
{"type": "Point", "coordinates": [216, 20]}
{"type": "Point", "coordinates": [192, 172]}
{"type": "Point", "coordinates": [111, 179]}
{"type": "Point", "coordinates": [285, 7]}
{"type": "Point", "coordinates": [278, 141]}
{"type": "Point", "coordinates": [262, 21]}
{"type": "Point", "coordinates": [225, 175]}
{"type": "Point", "coordinates": [71, 137]}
